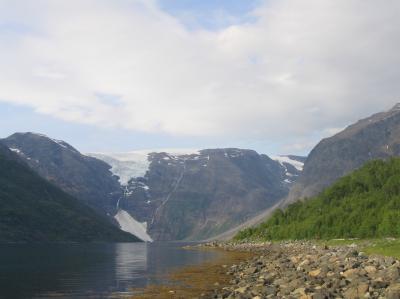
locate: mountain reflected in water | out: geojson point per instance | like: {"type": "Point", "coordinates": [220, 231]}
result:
{"type": "Point", "coordinates": [88, 270]}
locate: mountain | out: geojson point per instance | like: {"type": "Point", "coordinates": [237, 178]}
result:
{"type": "Point", "coordinates": [375, 137]}
{"type": "Point", "coordinates": [168, 194]}
{"type": "Point", "coordinates": [34, 210]}
{"type": "Point", "coordinates": [364, 204]}
{"type": "Point", "coordinates": [85, 178]}
{"type": "Point", "coordinates": [198, 194]}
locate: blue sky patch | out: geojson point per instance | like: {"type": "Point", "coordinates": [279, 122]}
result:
{"type": "Point", "coordinates": [211, 15]}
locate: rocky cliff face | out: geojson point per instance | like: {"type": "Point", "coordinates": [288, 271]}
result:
{"type": "Point", "coordinates": [200, 194]}
{"type": "Point", "coordinates": [376, 137]}
{"type": "Point", "coordinates": [86, 178]}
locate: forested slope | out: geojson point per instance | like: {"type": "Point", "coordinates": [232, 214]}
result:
{"type": "Point", "coordinates": [364, 204]}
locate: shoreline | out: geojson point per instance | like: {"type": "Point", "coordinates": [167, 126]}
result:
{"type": "Point", "coordinates": [283, 270]}
{"type": "Point", "coordinates": [196, 281]}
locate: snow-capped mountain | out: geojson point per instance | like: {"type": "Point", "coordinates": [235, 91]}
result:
{"type": "Point", "coordinates": [165, 194]}
{"type": "Point", "coordinates": [194, 194]}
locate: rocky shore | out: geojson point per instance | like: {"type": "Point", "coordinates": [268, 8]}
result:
{"type": "Point", "coordinates": [305, 270]}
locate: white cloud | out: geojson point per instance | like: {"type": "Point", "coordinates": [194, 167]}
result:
{"type": "Point", "coordinates": [303, 66]}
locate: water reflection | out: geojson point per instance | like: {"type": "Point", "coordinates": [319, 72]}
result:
{"type": "Point", "coordinates": [130, 266]}
{"type": "Point", "coordinates": [87, 270]}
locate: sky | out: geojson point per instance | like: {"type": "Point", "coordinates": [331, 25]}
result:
{"type": "Point", "coordinates": [271, 75]}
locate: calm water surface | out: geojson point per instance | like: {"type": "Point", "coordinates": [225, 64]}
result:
{"type": "Point", "coordinates": [88, 270]}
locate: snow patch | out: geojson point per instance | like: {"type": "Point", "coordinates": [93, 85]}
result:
{"type": "Point", "coordinates": [136, 185]}
{"type": "Point", "coordinates": [132, 226]}
{"type": "Point", "coordinates": [232, 153]}
{"type": "Point", "coordinates": [285, 159]}
{"type": "Point", "coordinates": [60, 143]}
{"type": "Point", "coordinates": [37, 134]}
{"type": "Point", "coordinates": [15, 150]}
{"type": "Point", "coordinates": [21, 153]}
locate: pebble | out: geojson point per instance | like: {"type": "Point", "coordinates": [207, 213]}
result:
{"type": "Point", "coordinates": [305, 270]}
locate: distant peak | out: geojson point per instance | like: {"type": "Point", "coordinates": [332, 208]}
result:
{"type": "Point", "coordinates": [60, 143]}
{"type": "Point", "coordinates": [30, 133]}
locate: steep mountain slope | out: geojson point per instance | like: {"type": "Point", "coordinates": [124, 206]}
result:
{"type": "Point", "coordinates": [293, 166]}
{"type": "Point", "coordinates": [364, 204]}
{"type": "Point", "coordinates": [200, 193]}
{"type": "Point", "coordinates": [375, 137]}
{"type": "Point", "coordinates": [85, 178]}
{"type": "Point", "coordinates": [34, 210]}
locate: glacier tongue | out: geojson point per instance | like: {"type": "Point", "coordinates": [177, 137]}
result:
{"type": "Point", "coordinates": [125, 165]}
{"type": "Point", "coordinates": [134, 164]}
{"type": "Point", "coordinates": [132, 226]}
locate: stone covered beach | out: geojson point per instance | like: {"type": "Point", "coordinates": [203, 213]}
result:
{"type": "Point", "coordinates": [285, 270]}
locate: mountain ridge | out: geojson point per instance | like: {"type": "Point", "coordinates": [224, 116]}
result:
{"type": "Point", "coordinates": [34, 210]}
{"type": "Point", "coordinates": [170, 196]}
{"type": "Point", "coordinates": [86, 178]}
{"type": "Point", "coordinates": [374, 137]}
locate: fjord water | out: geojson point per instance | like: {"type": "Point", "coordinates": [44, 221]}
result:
{"type": "Point", "coordinates": [89, 270]}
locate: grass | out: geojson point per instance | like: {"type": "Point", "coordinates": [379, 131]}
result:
{"type": "Point", "coordinates": [385, 247]}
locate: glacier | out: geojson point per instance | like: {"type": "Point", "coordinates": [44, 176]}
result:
{"type": "Point", "coordinates": [125, 165]}
{"type": "Point", "coordinates": [134, 164]}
